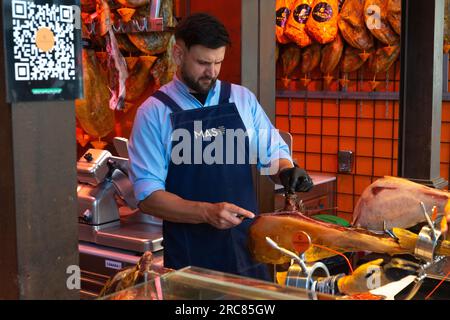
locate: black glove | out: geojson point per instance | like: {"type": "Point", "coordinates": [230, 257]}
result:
{"type": "Point", "coordinates": [295, 179]}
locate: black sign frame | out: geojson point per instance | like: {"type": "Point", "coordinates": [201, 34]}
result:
{"type": "Point", "coordinates": [33, 74]}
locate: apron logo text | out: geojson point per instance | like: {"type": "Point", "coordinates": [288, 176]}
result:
{"type": "Point", "coordinates": [209, 133]}
{"type": "Point", "coordinates": [226, 146]}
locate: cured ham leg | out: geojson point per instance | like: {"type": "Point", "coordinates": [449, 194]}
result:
{"type": "Point", "coordinates": [310, 60]}
{"type": "Point", "coordinates": [133, 3]}
{"type": "Point", "coordinates": [92, 112]}
{"type": "Point", "coordinates": [352, 59]}
{"type": "Point", "coordinates": [282, 227]}
{"type": "Point", "coordinates": [322, 25]}
{"type": "Point", "coordinates": [331, 55]}
{"type": "Point", "coordinates": [290, 59]}
{"type": "Point", "coordinates": [380, 29]}
{"type": "Point", "coordinates": [116, 62]}
{"type": "Point", "coordinates": [352, 25]}
{"type": "Point", "coordinates": [139, 78]}
{"type": "Point", "coordinates": [395, 15]}
{"type": "Point", "coordinates": [295, 27]}
{"type": "Point", "coordinates": [397, 202]}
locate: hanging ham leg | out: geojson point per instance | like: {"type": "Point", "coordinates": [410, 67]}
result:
{"type": "Point", "coordinates": [165, 68]}
{"type": "Point", "coordinates": [139, 78]}
{"type": "Point", "coordinates": [383, 59]}
{"type": "Point", "coordinates": [117, 66]}
{"type": "Point", "coordinates": [290, 59]}
{"type": "Point", "coordinates": [377, 21]}
{"type": "Point", "coordinates": [395, 15]}
{"type": "Point", "coordinates": [133, 3]}
{"type": "Point", "coordinates": [152, 43]}
{"type": "Point", "coordinates": [331, 54]}
{"type": "Point", "coordinates": [92, 112]}
{"type": "Point", "coordinates": [353, 27]}
{"type": "Point", "coordinates": [352, 59]}
{"type": "Point", "coordinates": [119, 73]}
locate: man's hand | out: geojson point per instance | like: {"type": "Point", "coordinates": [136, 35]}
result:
{"type": "Point", "coordinates": [225, 215]}
{"type": "Point", "coordinates": [366, 277]}
{"type": "Point", "coordinates": [170, 207]}
{"type": "Point", "coordinates": [295, 179]}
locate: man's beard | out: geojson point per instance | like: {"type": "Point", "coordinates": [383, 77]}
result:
{"type": "Point", "coordinates": [195, 85]}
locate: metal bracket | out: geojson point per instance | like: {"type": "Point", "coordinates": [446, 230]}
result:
{"type": "Point", "coordinates": [299, 274]}
{"type": "Point", "coordinates": [427, 239]}
{"type": "Point", "coordinates": [426, 244]}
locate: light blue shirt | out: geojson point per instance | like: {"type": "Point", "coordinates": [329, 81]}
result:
{"type": "Point", "coordinates": [150, 143]}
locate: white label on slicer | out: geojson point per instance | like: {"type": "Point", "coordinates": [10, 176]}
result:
{"type": "Point", "coordinates": [113, 264]}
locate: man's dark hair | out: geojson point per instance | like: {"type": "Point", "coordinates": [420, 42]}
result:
{"type": "Point", "coordinates": [202, 29]}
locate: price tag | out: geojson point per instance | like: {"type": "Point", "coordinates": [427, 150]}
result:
{"type": "Point", "coordinates": [301, 241]}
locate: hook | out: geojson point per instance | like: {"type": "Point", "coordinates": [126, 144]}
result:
{"type": "Point", "coordinates": [430, 223]}
{"type": "Point", "coordinates": [117, 29]}
{"type": "Point", "coordinates": [144, 26]}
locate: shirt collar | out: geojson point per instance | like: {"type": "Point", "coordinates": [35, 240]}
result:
{"type": "Point", "coordinates": [184, 89]}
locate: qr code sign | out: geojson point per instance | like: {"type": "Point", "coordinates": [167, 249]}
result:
{"type": "Point", "coordinates": [43, 37]}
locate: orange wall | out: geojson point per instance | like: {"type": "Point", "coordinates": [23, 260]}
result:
{"type": "Point", "coordinates": [369, 128]}
{"type": "Point", "coordinates": [229, 12]}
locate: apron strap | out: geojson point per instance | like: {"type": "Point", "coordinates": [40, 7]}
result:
{"type": "Point", "coordinates": [225, 92]}
{"type": "Point", "coordinates": [168, 101]}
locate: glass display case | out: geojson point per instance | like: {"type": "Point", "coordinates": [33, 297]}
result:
{"type": "Point", "coordinates": [192, 283]}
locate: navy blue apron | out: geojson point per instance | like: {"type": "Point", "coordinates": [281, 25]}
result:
{"type": "Point", "coordinates": [203, 245]}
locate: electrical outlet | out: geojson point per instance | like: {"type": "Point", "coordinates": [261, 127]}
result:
{"type": "Point", "coordinates": [345, 161]}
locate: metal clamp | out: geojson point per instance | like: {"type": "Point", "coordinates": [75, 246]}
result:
{"type": "Point", "coordinates": [299, 274]}
{"type": "Point", "coordinates": [427, 239]}
{"type": "Point", "coordinates": [426, 244]}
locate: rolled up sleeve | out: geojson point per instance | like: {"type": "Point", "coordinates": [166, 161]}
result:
{"type": "Point", "coordinates": [148, 163]}
{"type": "Point", "coordinates": [270, 144]}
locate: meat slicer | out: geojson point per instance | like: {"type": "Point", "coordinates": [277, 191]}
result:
{"type": "Point", "coordinates": [107, 209]}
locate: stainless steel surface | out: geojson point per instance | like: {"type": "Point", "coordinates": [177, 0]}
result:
{"type": "Point", "coordinates": [104, 220]}
{"type": "Point", "coordinates": [127, 235]}
{"type": "Point", "coordinates": [426, 243]}
{"type": "Point", "coordinates": [132, 236]}
{"type": "Point", "coordinates": [92, 167]}
{"type": "Point", "coordinates": [124, 188]}
{"type": "Point", "coordinates": [89, 233]}
{"type": "Point", "coordinates": [97, 205]}
{"type": "Point", "coordinates": [113, 254]}
{"type": "Point", "coordinates": [138, 216]}
{"type": "Point", "coordinates": [120, 162]}
{"type": "Point", "coordinates": [121, 146]}
{"type": "Point", "coordinates": [296, 277]}
{"type": "Point", "coordinates": [439, 269]}
{"type": "Point", "coordinates": [113, 234]}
